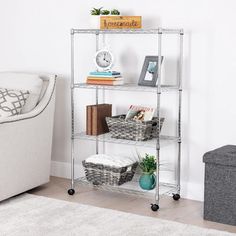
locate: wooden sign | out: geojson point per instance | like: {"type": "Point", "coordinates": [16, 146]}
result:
{"type": "Point", "coordinates": [120, 22]}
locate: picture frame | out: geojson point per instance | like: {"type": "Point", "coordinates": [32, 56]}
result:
{"type": "Point", "coordinates": [149, 73]}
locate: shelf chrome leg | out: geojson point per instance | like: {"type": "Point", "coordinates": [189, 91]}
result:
{"type": "Point", "coordinates": [97, 48]}
{"type": "Point", "coordinates": [97, 143]}
{"type": "Point", "coordinates": [157, 192]}
{"type": "Point", "coordinates": [97, 42]}
{"type": "Point", "coordinates": [180, 111]}
{"type": "Point", "coordinates": [103, 101]}
{"type": "Point", "coordinates": [72, 110]}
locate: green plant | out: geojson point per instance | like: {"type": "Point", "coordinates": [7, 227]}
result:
{"type": "Point", "coordinates": [105, 12]}
{"type": "Point", "coordinates": [96, 11]}
{"type": "Point", "coordinates": [147, 164]}
{"type": "Point", "coordinates": [115, 12]}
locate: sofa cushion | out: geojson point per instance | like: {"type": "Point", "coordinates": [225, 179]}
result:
{"type": "Point", "coordinates": [12, 101]}
{"type": "Point", "coordinates": [21, 81]}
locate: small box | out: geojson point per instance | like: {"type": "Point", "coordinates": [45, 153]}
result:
{"type": "Point", "coordinates": [120, 22]}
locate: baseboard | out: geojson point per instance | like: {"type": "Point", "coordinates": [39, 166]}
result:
{"type": "Point", "coordinates": [189, 190]}
{"type": "Point", "coordinates": [193, 191]}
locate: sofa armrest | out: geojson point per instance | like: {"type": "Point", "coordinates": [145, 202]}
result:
{"type": "Point", "coordinates": [38, 109]}
{"type": "Point", "coordinates": [26, 146]}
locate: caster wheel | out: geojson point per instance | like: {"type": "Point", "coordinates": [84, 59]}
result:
{"type": "Point", "coordinates": [154, 207]}
{"type": "Point", "coordinates": [176, 197]}
{"type": "Point", "coordinates": [71, 191]}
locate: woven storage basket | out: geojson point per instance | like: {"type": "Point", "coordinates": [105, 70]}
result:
{"type": "Point", "coordinates": [132, 130]}
{"type": "Point", "coordinates": [101, 174]}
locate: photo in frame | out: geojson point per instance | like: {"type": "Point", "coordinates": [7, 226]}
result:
{"type": "Point", "coordinates": [149, 73]}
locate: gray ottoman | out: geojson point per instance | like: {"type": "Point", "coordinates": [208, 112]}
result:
{"type": "Point", "coordinates": [220, 185]}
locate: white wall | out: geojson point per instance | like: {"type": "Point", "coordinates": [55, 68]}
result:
{"type": "Point", "coordinates": [35, 37]}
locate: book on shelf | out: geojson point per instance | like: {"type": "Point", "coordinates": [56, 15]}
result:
{"type": "Point", "coordinates": [104, 73]}
{"type": "Point", "coordinates": [95, 121]}
{"type": "Point", "coordinates": [140, 113]}
{"type": "Point", "coordinates": [106, 82]}
{"type": "Point", "coordinates": [104, 78]}
{"type": "Point", "coordinates": [89, 120]}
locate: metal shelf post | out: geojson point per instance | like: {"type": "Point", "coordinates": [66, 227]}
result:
{"type": "Point", "coordinates": [72, 110]}
{"type": "Point", "coordinates": [180, 75]}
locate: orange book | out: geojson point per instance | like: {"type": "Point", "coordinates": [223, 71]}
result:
{"type": "Point", "coordinates": [105, 82]}
{"type": "Point", "coordinates": [104, 78]}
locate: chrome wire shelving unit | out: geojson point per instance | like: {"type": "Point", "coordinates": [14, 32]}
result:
{"type": "Point", "coordinates": [132, 187]}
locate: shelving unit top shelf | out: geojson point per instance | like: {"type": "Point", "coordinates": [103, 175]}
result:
{"type": "Point", "coordinates": [128, 31]}
{"type": "Point", "coordinates": [128, 87]}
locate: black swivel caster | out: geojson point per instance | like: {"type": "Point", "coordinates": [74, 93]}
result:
{"type": "Point", "coordinates": [71, 191]}
{"type": "Point", "coordinates": [176, 197]}
{"type": "Point", "coordinates": [154, 207]}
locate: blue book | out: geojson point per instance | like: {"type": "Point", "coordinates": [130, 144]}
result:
{"type": "Point", "coordinates": [106, 73]}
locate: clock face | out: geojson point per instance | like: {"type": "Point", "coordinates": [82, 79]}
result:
{"type": "Point", "coordinates": [103, 60]}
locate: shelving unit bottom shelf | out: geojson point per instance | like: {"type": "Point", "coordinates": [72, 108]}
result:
{"type": "Point", "coordinates": [131, 188]}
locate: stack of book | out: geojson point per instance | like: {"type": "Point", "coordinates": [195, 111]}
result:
{"type": "Point", "coordinates": [96, 118]}
{"type": "Point", "coordinates": [105, 78]}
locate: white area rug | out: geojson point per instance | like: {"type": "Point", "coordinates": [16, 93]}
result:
{"type": "Point", "coordinates": [32, 215]}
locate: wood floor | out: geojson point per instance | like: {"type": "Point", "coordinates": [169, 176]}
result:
{"type": "Point", "coordinates": [184, 211]}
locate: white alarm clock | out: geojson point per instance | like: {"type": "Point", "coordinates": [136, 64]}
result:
{"type": "Point", "coordinates": [104, 60]}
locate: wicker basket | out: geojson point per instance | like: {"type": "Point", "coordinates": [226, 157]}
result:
{"type": "Point", "coordinates": [132, 130]}
{"type": "Point", "coordinates": [100, 174]}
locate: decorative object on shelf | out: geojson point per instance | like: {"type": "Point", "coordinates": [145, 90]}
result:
{"type": "Point", "coordinates": [120, 22]}
{"type": "Point", "coordinates": [131, 129]}
{"type": "Point", "coordinates": [105, 78]}
{"type": "Point", "coordinates": [140, 113]}
{"type": "Point", "coordinates": [149, 73]}
{"type": "Point", "coordinates": [148, 165]}
{"type": "Point", "coordinates": [89, 120]}
{"type": "Point", "coordinates": [95, 21]}
{"type": "Point", "coordinates": [105, 12]}
{"type": "Point", "coordinates": [95, 118]}
{"type": "Point", "coordinates": [95, 18]}
{"type": "Point", "coordinates": [96, 11]}
{"type": "Point", "coordinates": [105, 82]}
{"type": "Point", "coordinates": [104, 60]}
{"type": "Point", "coordinates": [105, 73]}
{"type": "Point", "coordinates": [109, 169]}
{"type": "Point", "coordinates": [115, 12]}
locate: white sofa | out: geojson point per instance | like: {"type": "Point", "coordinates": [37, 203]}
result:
{"type": "Point", "coordinates": [25, 145]}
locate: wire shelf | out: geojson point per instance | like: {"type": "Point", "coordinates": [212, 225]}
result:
{"type": "Point", "coordinates": [131, 188]}
{"type": "Point", "coordinates": [127, 87]}
{"type": "Point", "coordinates": [127, 31]}
{"type": "Point", "coordinates": [166, 140]}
